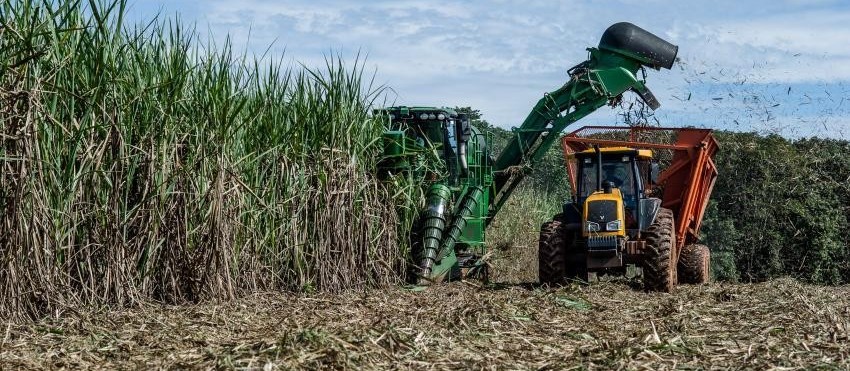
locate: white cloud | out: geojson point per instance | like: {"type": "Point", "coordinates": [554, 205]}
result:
{"type": "Point", "coordinates": [799, 47]}
{"type": "Point", "coordinates": [502, 56]}
{"type": "Point", "coordinates": [817, 32]}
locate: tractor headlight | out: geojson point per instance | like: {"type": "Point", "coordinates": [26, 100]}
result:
{"type": "Point", "coordinates": [423, 116]}
{"type": "Point", "coordinates": [441, 117]}
{"type": "Point", "coordinates": [592, 227]}
{"type": "Point", "coordinates": [613, 225]}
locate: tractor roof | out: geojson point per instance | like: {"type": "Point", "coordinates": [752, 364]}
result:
{"type": "Point", "coordinates": [640, 153]}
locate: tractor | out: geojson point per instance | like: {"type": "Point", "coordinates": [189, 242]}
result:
{"type": "Point", "coordinates": [465, 186]}
{"type": "Point", "coordinates": [625, 211]}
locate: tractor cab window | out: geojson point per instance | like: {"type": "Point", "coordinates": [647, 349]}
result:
{"type": "Point", "coordinates": [616, 169]}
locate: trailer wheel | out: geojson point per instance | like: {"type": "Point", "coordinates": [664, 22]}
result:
{"type": "Point", "coordinates": [659, 269]}
{"type": "Point", "coordinates": [552, 253]}
{"type": "Point", "coordinates": [694, 264]}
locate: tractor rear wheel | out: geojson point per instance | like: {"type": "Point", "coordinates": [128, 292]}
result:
{"type": "Point", "coordinates": [552, 253]}
{"type": "Point", "coordinates": [659, 269]}
{"type": "Point", "coordinates": [694, 264]}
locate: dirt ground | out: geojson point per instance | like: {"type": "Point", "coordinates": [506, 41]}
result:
{"type": "Point", "coordinates": [607, 325]}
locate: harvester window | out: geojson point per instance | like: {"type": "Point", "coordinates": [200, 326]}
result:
{"type": "Point", "coordinates": [450, 134]}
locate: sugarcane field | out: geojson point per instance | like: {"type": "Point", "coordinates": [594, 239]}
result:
{"type": "Point", "coordinates": [424, 185]}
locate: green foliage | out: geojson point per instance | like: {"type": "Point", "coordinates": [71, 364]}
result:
{"type": "Point", "coordinates": [780, 208]}
{"type": "Point", "coordinates": [720, 235]}
{"type": "Point", "coordinates": [513, 233]}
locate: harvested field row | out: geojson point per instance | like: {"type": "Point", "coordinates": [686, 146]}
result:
{"type": "Point", "coordinates": [605, 325]}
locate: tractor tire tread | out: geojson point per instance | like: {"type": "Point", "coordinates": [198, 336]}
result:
{"type": "Point", "coordinates": [659, 267]}
{"type": "Point", "coordinates": [694, 264]}
{"type": "Point", "coordinates": [551, 253]}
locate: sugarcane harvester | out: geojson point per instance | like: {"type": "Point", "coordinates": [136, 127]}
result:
{"type": "Point", "coordinates": [465, 186]}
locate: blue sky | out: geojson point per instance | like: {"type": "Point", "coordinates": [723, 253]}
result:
{"type": "Point", "coordinates": [768, 66]}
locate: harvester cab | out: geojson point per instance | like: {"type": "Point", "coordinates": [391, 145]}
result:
{"type": "Point", "coordinates": [469, 187]}
{"type": "Point", "coordinates": [442, 134]}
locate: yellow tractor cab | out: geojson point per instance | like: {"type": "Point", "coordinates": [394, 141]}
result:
{"type": "Point", "coordinates": [611, 183]}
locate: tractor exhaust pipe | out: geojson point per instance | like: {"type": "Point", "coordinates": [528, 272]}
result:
{"type": "Point", "coordinates": [598, 167]}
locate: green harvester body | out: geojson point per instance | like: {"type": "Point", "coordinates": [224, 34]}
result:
{"type": "Point", "coordinates": [465, 186]}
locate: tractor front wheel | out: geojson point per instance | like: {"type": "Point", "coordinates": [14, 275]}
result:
{"type": "Point", "coordinates": [659, 269]}
{"type": "Point", "coordinates": [552, 253]}
{"type": "Point", "coordinates": [694, 264]}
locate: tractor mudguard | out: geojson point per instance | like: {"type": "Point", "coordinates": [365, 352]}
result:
{"type": "Point", "coordinates": [571, 213]}
{"type": "Point", "coordinates": [648, 211]}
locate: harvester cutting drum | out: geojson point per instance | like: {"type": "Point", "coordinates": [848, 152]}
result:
{"type": "Point", "coordinates": [464, 187]}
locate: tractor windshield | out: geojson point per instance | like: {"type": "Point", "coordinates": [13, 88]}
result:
{"type": "Point", "coordinates": [617, 170]}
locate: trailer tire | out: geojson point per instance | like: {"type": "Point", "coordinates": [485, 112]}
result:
{"type": "Point", "coordinates": [659, 268]}
{"type": "Point", "coordinates": [552, 253]}
{"type": "Point", "coordinates": [695, 264]}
